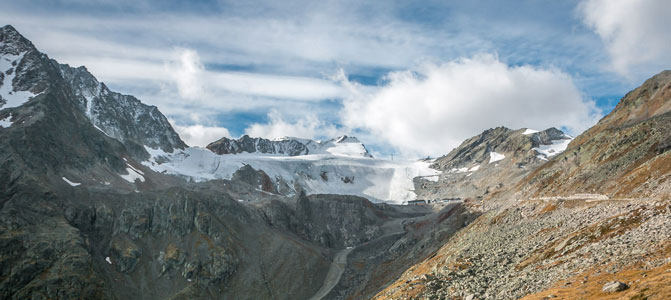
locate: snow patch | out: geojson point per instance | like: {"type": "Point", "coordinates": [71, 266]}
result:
{"type": "Point", "coordinates": [12, 98]}
{"type": "Point", "coordinates": [557, 146]}
{"type": "Point", "coordinates": [475, 168]}
{"type": "Point", "coordinates": [70, 182]}
{"type": "Point", "coordinates": [494, 157]}
{"type": "Point", "coordinates": [529, 131]}
{"type": "Point", "coordinates": [108, 260]}
{"type": "Point", "coordinates": [6, 122]}
{"type": "Point", "coordinates": [133, 174]}
{"type": "Point", "coordinates": [460, 170]}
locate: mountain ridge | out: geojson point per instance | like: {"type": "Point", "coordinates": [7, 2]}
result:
{"type": "Point", "coordinates": [290, 146]}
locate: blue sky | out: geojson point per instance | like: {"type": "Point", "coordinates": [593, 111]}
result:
{"type": "Point", "coordinates": [413, 78]}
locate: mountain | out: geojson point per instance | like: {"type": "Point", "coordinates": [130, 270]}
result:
{"type": "Point", "coordinates": [26, 73]}
{"type": "Point", "coordinates": [592, 218]}
{"type": "Point", "coordinates": [490, 163]}
{"type": "Point", "coordinates": [122, 117]}
{"type": "Point", "coordinates": [290, 146]}
{"type": "Point", "coordinates": [624, 155]}
{"type": "Point", "coordinates": [337, 166]}
{"type": "Point", "coordinates": [84, 215]}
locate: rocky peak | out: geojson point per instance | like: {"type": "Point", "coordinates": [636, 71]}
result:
{"type": "Point", "coordinates": [501, 141]}
{"type": "Point", "coordinates": [122, 117]}
{"type": "Point", "coordinates": [290, 146]}
{"type": "Point", "coordinates": [12, 42]}
{"type": "Point", "coordinates": [25, 73]}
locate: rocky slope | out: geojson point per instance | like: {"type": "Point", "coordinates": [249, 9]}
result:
{"type": "Point", "coordinates": [624, 155]}
{"type": "Point", "coordinates": [490, 163]}
{"type": "Point", "coordinates": [551, 236]}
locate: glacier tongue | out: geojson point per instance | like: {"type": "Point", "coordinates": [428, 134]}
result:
{"type": "Point", "coordinates": [376, 179]}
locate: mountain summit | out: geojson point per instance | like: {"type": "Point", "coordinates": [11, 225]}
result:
{"type": "Point", "coordinates": [26, 73]}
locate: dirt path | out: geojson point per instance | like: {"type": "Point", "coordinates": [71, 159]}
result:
{"type": "Point", "coordinates": [340, 260]}
{"type": "Point", "coordinates": [334, 274]}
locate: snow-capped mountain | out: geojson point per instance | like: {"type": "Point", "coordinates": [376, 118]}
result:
{"type": "Point", "coordinates": [337, 166]}
{"type": "Point", "coordinates": [492, 161]}
{"type": "Point", "coordinates": [290, 146]}
{"type": "Point", "coordinates": [26, 73]}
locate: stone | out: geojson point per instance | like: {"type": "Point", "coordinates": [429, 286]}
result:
{"type": "Point", "coordinates": [614, 287]}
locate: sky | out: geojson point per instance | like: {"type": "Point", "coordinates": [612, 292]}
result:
{"type": "Point", "coordinates": [409, 78]}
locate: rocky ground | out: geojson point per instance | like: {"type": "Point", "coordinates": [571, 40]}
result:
{"type": "Point", "coordinates": [528, 247]}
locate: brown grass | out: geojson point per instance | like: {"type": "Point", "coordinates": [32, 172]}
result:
{"type": "Point", "coordinates": [643, 284]}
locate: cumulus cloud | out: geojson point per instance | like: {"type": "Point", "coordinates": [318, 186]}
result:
{"type": "Point", "coordinates": [199, 135]}
{"type": "Point", "coordinates": [309, 126]}
{"type": "Point", "coordinates": [431, 110]}
{"type": "Point", "coordinates": [636, 33]}
{"type": "Point", "coordinates": [187, 71]}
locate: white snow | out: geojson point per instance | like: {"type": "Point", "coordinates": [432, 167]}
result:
{"type": "Point", "coordinates": [529, 131]}
{"type": "Point", "coordinates": [460, 170]}
{"type": "Point", "coordinates": [494, 157]}
{"type": "Point", "coordinates": [6, 122]}
{"type": "Point", "coordinates": [376, 179]}
{"type": "Point", "coordinates": [557, 146]}
{"type": "Point", "coordinates": [133, 174]}
{"type": "Point", "coordinates": [475, 168]}
{"type": "Point", "coordinates": [13, 98]}
{"type": "Point", "coordinates": [108, 260]}
{"type": "Point", "coordinates": [70, 182]}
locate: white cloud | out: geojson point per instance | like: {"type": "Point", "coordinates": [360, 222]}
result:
{"type": "Point", "coordinates": [309, 126]}
{"type": "Point", "coordinates": [187, 73]}
{"type": "Point", "coordinates": [636, 33]}
{"type": "Point", "coordinates": [433, 109]}
{"type": "Point", "coordinates": [199, 135]}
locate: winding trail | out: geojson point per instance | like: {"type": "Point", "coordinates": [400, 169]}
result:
{"type": "Point", "coordinates": [340, 260]}
{"type": "Point", "coordinates": [334, 274]}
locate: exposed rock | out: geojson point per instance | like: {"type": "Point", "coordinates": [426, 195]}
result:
{"type": "Point", "coordinates": [614, 286]}
{"type": "Point", "coordinates": [289, 146]}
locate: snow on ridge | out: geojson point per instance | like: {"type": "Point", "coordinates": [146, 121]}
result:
{"type": "Point", "coordinates": [529, 131]}
{"type": "Point", "coordinates": [71, 183]}
{"type": "Point", "coordinates": [13, 98]}
{"type": "Point", "coordinates": [494, 157]}
{"type": "Point", "coordinates": [376, 179]}
{"type": "Point", "coordinates": [557, 146]}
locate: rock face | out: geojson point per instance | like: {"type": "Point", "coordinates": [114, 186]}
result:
{"type": "Point", "coordinates": [257, 145]}
{"type": "Point", "coordinates": [121, 117]}
{"type": "Point", "coordinates": [344, 145]}
{"type": "Point", "coordinates": [624, 155]}
{"type": "Point", "coordinates": [329, 220]}
{"type": "Point", "coordinates": [491, 163]}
